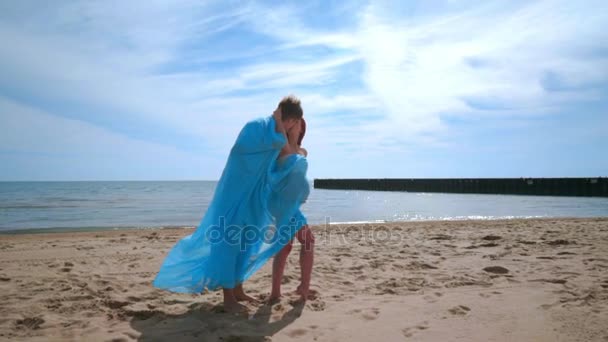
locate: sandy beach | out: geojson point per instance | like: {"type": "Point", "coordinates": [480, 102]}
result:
{"type": "Point", "coordinates": [513, 280]}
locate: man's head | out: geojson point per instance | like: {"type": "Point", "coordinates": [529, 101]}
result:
{"type": "Point", "coordinates": [291, 111]}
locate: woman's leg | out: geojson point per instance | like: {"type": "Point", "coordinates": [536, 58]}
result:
{"type": "Point", "coordinates": [307, 240]}
{"type": "Point", "coordinates": [278, 268]}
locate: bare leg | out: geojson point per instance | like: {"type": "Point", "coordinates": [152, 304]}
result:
{"type": "Point", "coordinates": [278, 268]}
{"type": "Point", "coordinates": [307, 240]}
{"type": "Point", "coordinates": [231, 305]}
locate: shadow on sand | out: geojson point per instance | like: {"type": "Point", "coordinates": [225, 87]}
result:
{"type": "Point", "coordinates": [205, 322]}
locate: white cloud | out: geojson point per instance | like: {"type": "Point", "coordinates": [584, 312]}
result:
{"type": "Point", "coordinates": [419, 69]}
{"type": "Point", "coordinates": [79, 150]}
{"type": "Point", "coordinates": [481, 60]}
{"type": "Point", "coordinates": [496, 59]}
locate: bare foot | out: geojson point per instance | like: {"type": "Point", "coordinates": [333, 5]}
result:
{"type": "Point", "coordinates": [306, 294]}
{"type": "Point", "coordinates": [234, 308]}
{"type": "Point", "coordinates": [273, 299]}
{"type": "Point", "coordinates": [299, 290]}
{"type": "Point", "coordinates": [240, 296]}
{"type": "Point", "coordinates": [299, 298]}
{"type": "Point", "coordinates": [246, 298]}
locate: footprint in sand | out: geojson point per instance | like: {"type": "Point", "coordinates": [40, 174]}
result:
{"type": "Point", "coordinates": [371, 314]}
{"type": "Point", "coordinates": [430, 299]}
{"type": "Point", "coordinates": [361, 277]}
{"type": "Point", "coordinates": [115, 304]}
{"type": "Point", "coordinates": [338, 297]}
{"type": "Point", "coordinates": [287, 279]}
{"type": "Point", "coordinates": [243, 338]}
{"type": "Point", "coordinates": [409, 332]}
{"type": "Point", "coordinates": [460, 310]}
{"type": "Point", "coordinates": [316, 305]}
{"type": "Point", "coordinates": [552, 281]}
{"type": "Point", "coordinates": [143, 314]}
{"type": "Point", "coordinates": [418, 265]}
{"type": "Point", "coordinates": [488, 244]}
{"type": "Point", "coordinates": [297, 333]}
{"type": "Point", "coordinates": [367, 314]}
{"type": "Point", "coordinates": [496, 270]}
{"type": "Point", "coordinates": [32, 323]}
{"type": "Point", "coordinates": [119, 339]}
{"type": "Point", "coordinates": [441, 237]}
{"type": "Point", "coordinates": [560, 243]}
{"type": "Point", "coordinates": [527, 242]}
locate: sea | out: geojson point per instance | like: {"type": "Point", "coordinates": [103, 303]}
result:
{"type": "Point", "coordinates": [66, 206]}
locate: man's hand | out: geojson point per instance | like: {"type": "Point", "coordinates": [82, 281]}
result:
{"type": "Point", "coordinates": [278, 120]}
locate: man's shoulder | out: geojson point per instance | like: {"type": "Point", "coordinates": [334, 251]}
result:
{"type": "Point", "coordinates": [258, 123]}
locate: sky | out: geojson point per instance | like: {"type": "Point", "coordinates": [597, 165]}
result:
{"type": "Point", "coordinates": [158, 90]}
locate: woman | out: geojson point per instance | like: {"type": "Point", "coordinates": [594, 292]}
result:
{"type": "Point", "coordinates": [289, 190]}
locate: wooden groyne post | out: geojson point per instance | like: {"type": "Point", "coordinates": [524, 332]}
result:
{"type": "Point", "coordinates": [589, 187]}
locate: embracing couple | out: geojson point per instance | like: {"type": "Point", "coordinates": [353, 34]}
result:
{"type": "Point", "coordinates": [254, 215]}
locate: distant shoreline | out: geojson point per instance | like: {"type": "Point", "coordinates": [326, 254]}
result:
{"type": "Point", "coordinates": [60, 230]}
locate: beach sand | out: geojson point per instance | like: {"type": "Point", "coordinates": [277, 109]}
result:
{"type": "Point", "coordinates": [513, 280]}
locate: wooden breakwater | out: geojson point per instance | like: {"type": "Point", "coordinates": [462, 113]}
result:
{"type": "Point", "coordinates": [596, 187]}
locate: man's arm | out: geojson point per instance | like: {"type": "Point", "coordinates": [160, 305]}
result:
{"type": "Point", "coordinates": [260, 135]}
{"type": "Point", "coordinates": [278, 122]}
{"type": "Point", "coordinates": [278, 119]}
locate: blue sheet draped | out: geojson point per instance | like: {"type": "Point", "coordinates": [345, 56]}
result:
{"type": "Point", "coordinates": [253, 214]}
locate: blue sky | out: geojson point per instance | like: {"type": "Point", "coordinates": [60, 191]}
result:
{"type": "Point", "coordinates": [158, 90]}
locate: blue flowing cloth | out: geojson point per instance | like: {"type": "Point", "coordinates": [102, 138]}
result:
{"type": "Point", "coordinates": [253, 214]}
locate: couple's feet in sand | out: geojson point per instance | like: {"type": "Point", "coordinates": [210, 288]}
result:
{"type": "Point", "coordinates": [302, 296]}
{"type": "Point", "coordinates": [236, 307]}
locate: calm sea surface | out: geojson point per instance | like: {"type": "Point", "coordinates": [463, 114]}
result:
{"type": "Point", "coordinates": [69, 205]}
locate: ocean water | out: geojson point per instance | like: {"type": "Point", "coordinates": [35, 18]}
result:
{"type": "Point", "coordinates": [71, 205]}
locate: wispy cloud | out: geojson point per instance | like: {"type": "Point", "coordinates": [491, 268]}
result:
{"type": "Point", "coordinates": [35, 145]}
{"type": "Point", "coordinates": [376, 79]}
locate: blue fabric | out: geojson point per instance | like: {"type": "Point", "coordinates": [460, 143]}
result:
{"type": "Point", "coordinates": [236, 235]}
{"type": "Point", "coordinates": [289, 188]}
